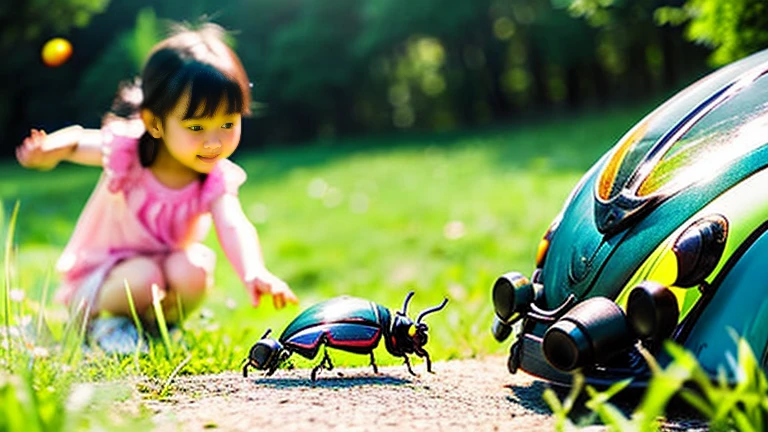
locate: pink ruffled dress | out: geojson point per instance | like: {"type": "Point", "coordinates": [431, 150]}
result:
{"type": "Point", "coordinates": [131, 213]}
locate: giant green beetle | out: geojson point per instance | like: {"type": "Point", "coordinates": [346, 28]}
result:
{"type": "Point", "coordinates": [349, 324]}
{"type": "Point", "coordinates": [664, 238]}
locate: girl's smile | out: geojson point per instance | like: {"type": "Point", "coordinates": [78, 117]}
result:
{"type": "Point", "coordinates": [208, 158]}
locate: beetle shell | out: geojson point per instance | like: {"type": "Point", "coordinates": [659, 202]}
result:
{"type": "Point", "coordinates": [346, 323]}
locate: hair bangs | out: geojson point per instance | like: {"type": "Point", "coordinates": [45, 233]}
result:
{"type": "Point", "coordinates": [209, 89]}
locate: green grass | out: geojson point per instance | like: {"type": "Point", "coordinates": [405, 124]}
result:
{"type": "Point", "coordinates": [441, 215]}
{"type": "Point", "coordinates": [726, 406]}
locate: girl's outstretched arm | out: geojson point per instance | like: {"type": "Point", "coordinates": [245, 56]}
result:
{"type": "Point", "coordinates": [240, 241]}
{"type": "Point", "coordinates": [74, 143]}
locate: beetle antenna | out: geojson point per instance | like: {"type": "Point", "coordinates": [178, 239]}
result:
{"type": "Point", "coordinates": [266, 333]}
{"type": "Point", "coordinates": [425, 312]}
{"type": "Point", "coordinates": [405, 303]}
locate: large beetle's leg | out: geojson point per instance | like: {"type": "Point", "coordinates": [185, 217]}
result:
{"type": "Point", "coordinates": [514, 357]}
{"type": "Point", "coordinates": [408, 365]}
{"type": "Point", "coordinates": [373, 363]}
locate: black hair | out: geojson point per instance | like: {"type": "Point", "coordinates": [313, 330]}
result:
{"type": "Point", "coordinates": [197, 62]}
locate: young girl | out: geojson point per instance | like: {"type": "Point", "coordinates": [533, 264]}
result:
{"type": "Point", "coordinates": [164, 150]}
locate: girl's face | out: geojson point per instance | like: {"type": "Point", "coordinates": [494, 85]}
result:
{"type": "Point", "coordinates": [199, 142]}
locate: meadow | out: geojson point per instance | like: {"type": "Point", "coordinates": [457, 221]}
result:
{"type": "Point", "coordinates": [441, 215]}
{"type": "Point", "coordinates": [376, 217]}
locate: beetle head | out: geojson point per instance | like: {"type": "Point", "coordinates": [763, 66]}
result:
{"type": "Point", "coordinates": [264, 355]}
{"type": "Point", "coordinates": [409, 336]}
{"type": "Point", "coordinates": [418, 334]}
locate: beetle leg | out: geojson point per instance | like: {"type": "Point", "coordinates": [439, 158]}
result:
{"type": "Point", "coordinates": [429, 362]}
{"type": "Point", "coordinates": [408, 365]}
{"type": "Point", "coordinates": [373, 363]}
{"type": "Point", "coordinates": [246, 363]}
{"type": "Point", "coordinates": [320, 365]}
{"type": "Point", "coordinates": [272, 370]}
{"type": "Point", "coordinates": [327, 360]}
{"type": "Point", "coordinates": [423, 353]}
{"type": "Point", "coordinates": [314, 372]}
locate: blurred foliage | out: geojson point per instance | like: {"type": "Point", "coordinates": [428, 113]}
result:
{"type": "Point", "coordinates": [22, 26]}
{"type": "Point", "coordinates": [123, 58]}
{"type": "Point", "coordinates": [31, 19]}
{"type": "Point", "coordinates": [731, 29]}
{"type": "Point", "coordinates": [344, 67]}
{"type": "Point", "coordinates": [734, 29]}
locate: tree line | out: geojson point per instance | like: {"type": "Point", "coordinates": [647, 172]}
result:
{"type": "Point", "coordinates": [345, 67]}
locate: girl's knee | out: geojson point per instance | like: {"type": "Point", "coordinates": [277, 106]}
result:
{"type": "Point", "coordinates": [142, 273]}
{"type": "Point", "coordinates": [139, 274]}
{"type": "Point", "coordinates": [190, 272]}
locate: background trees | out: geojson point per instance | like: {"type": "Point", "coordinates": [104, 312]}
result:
{"type": "Point", "coordinates": [342, 67]}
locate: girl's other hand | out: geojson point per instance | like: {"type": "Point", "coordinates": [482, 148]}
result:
{"type": "Point", "coordinates": [36, 152]}
{"type": "Point", "coordinates": [269, 284]}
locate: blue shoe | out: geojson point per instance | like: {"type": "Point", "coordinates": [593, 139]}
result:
{"type": "Point", "coordinates": [116, 335]}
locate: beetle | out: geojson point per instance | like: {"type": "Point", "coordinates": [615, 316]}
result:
{"type": "Point", "coordinates": [349, 324]}
{"type": "Point", "coordinates": [664, 238]}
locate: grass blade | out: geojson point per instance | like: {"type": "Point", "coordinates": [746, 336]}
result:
{"type": "Point", "coordinates": [176, 370]}
{"type": "Point", "coordinates": [7, 285]}
{"type": "Point", "coordinates": [180, 309]}
{"type": "Point", "coordinates": [136, 320]}
{"type": "Point", "coordinates": [162, 327]}
{"type": "Point", "coordinates": [41, 310]}
{"type": "Point", "coordinates": [70, 345]}
{"type": "Point", "coordinates": [84, 323]}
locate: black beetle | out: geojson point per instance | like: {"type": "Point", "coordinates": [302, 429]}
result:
{"type": "Point", "coordinates": [348, 324]}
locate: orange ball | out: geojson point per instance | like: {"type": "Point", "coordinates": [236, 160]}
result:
{"type": "Point", "coordinates": [56, 52]}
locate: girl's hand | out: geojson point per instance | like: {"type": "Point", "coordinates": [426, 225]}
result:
{"type": "Point", "coordinates": [267, 283]}
{"type": "Point", "coordinates": [37, 152]}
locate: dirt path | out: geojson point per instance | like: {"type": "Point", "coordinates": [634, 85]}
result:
{"type": "Point", "coordinates": [466, 395]}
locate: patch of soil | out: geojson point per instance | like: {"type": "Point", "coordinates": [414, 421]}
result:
{"type": "Point", "coordinates": [476, 395]}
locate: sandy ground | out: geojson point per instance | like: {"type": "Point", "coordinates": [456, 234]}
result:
{"type": "Point", "coordinates": [466, 395]}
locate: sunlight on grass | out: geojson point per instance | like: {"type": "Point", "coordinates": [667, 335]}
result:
{"type": "Point", "coordinates": [40, 388]}
{"type": "Point", "coordinates": [440, 215]}
{"type": "Point", "coordinates": [7, 283]}
{"type": "Point", "coordinates": [740, 405]}
{"type": "Point", "coordinates": [162, 326]}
